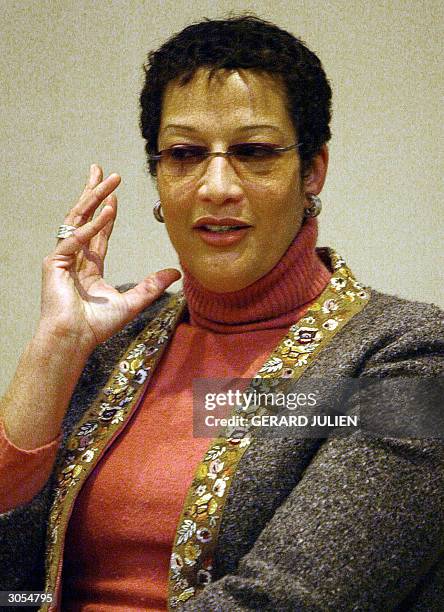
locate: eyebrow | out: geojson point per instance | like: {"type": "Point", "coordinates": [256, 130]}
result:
{"type": "Point", "coordinates": [244, 128]}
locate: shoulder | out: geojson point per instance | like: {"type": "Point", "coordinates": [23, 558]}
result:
{"type": "Point", "coordinates": [396, 330]}
{"type": "Point", "coordinates": [385, 318]}
{"type": "Point", "coordinates": [389, 317]}
{"type": "Point", "coordinates": [399, 313]}
{"type": "Point", "coordinates": [392, 334]}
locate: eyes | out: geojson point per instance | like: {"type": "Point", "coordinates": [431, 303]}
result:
{"type": "Point", "coordinates": [242, 151]}
{"type": "Point", "coordinates": [248, 158]}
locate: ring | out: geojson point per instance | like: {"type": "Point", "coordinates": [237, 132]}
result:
{"type": "Point", "coordinates": [65, 231]}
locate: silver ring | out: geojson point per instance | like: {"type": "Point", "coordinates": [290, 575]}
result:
{"type": "Point", "coordinates": [65, 231]}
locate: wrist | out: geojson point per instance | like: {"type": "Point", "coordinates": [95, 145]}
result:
{"type": "Point", "coordinates": [51, 341]}
{"type": "Point", "coordinates": [49, 348]}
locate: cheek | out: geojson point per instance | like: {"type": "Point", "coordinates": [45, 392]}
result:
{"type": "Point", "coordinates": [283, 212]}
{"type": "Point", "coordinates": [278, 189]}
{"type": "Point", "coordinates": [284, 202]}
{"type": "Point", "coordinates": [175, 205]}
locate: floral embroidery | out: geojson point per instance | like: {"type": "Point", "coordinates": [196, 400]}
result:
{"type": "Point", "coordinates": [292, 352]}
{"type": "Point", "coordinates": [338, 283]}
{"type": "Point", "coordinates": [87, 428]}
{"type": "Point", "coordinates": [203, 534]}
{"type": "Point", "coordinates": [302, 360]}
{"type": "Point", "coordinates": [201, 489]}
{"type": "Point", "coordinates": [186, 531]}
{"type": "Point", "coordinates": [330, 306]}
{"type": "Point", "coordinates": [308, 321]}
{"type": "Point", "coordinates": [196, 538]}
{"type": "Point", "coordinates": [215, 467]}
{"type": "Point", "coordinates": [101, 423]}
{"type": "Point", "coordinates": [330, 324]}
{"type": "Point", "coordinates": [192, 551]}
{"type": "Point", "coordinates": [271, 366]}
{"type": "Point", "coordinates": [215, 453]}
{"type": "Point", "coordinates": [107, 412]}
{"type": "Point", "coordinates": [203, 509]}
{"type": "Point", "coordinates": [307, 335]}
{"type": "Point", "coordinates": [203, 577]}
{"type": "Point", "coordinates": [88, 455]}
{"type": "Point", "coordinates": [83, 443]}
{"type": "Point", "coordinates": [176, 562]}
{"type": "Point", "coordinates": [69, 475]}
{"type": "Point", "coordinates": [219, 486]}
{"type": "Point", "coordinates": [181, 585]}
{"type": "Point", "coordinates": [287, 373]}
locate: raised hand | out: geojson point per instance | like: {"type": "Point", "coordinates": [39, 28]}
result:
{"type": "Point", "coordinates": [77, 303]}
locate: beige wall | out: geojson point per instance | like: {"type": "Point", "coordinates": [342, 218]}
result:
{"type": "Point", "coordinates": [70, 76]}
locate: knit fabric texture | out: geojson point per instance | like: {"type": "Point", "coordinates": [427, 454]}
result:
{"type": "Point", "coordinates": [349, 523]}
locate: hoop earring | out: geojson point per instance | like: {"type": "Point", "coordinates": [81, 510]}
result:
{"type": "Point", "coordinates": [157, 212]}
{"type": "Point", "coordinates": [315, 206]}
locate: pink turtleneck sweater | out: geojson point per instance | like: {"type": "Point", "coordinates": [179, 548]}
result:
{"type": "Point", "coordinates": [122, 528]}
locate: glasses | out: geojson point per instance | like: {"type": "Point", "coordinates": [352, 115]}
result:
{"type": "Point", "coordinates": [248, 159]}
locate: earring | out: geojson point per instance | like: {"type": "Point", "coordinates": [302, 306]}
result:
{"type": "Point", "coordinates": [315, 206]}
{"type": "Point", "coordinates": [157, 212]}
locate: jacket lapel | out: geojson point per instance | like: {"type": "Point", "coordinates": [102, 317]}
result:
{"type": "Point", "coordinates": [191, 566]}
{"type": "Point", "coordinates": [99, 427]}
{"type": "Point", "coordinates": [199, 524]}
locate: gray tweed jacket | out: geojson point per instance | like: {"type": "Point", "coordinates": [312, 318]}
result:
{"type": "Point", "coordinates": [349, 523]}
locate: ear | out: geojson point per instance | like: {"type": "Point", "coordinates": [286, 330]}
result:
{"type": "Point", "coordinates": [315, 179]}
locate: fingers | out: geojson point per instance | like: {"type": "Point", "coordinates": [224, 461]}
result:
{"type": "Point", "coordinates": [97, 191]}
{"type": "Point", "coordinates": [94, 193]}
{"type": "Point", "coordinates": [95, 177]}
{"type": "Point", "coordinates": [148, 290]}
{"type": "Point", "coordinates": [85, 233]}
{"type": "Point", "coordinates": [98, 245]}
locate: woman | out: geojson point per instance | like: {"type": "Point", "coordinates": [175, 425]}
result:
{"type": "Point", "coordinates": [236, 118]}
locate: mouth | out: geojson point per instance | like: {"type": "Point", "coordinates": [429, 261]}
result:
{"type": "Point", "coordinates": [222, 224]}
{"type": "Point", "coordinates": [221, 228]}
{"type": "Point", "coordinates": [221, 232]}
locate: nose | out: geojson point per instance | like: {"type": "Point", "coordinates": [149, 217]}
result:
{"type": "Point", "coordinates": [220, 183]}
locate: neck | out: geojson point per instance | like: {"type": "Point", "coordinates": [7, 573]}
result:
{"type": "Point", "coordinates": [275, 300]}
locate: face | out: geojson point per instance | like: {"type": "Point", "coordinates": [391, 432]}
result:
{"type": "Point", "coordinates": [264, 212]}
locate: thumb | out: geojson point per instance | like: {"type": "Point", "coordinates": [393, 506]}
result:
{"type": "Point", "coordinates": [149, 289]}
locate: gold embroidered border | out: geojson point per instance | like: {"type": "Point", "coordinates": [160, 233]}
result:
{"type": "Point", "coordinates": [196, 538]}
{"type": "Point", "coordinates": [101, 423]}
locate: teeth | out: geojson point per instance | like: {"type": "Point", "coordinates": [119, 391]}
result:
{"type": "Point", "coordinates": [220, 228]}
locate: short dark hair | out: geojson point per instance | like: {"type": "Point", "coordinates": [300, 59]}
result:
{"type": "Point", "coordinates": [241, 42]}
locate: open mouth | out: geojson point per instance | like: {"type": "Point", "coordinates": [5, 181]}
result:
{"type": "Point", "coordinates": [222, 232]}
{"type": "Point", "coordinates": [219, 229]}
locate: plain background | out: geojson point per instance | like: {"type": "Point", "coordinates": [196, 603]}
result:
{"type": "Point", "coordinates": [70, 80]}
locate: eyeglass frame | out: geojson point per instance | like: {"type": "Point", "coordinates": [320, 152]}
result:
{"type": "Point", "coordinates": [227, 154]}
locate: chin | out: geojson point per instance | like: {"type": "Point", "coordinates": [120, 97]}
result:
{"type": "Point", "coordinates": [225, 280]}
{"type": "Point", "coordinates": [227, 271]}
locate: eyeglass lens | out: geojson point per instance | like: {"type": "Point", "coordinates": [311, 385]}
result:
{"type": "Point", "coordinates": [246, 158]}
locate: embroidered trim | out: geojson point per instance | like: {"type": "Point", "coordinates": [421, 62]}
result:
{"type": "Point", "coordinates": [198, 529]}
{"type": "Point", "coordinates": [101, 423]}
{"type": "Point", "coordinates": [197, 534]}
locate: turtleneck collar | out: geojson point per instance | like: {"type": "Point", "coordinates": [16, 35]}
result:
{"type": "Point", "coordinates": [275, 300]}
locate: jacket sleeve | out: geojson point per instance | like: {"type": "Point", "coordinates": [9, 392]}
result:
{"type": "Point", "coordinates": [364, 527]}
